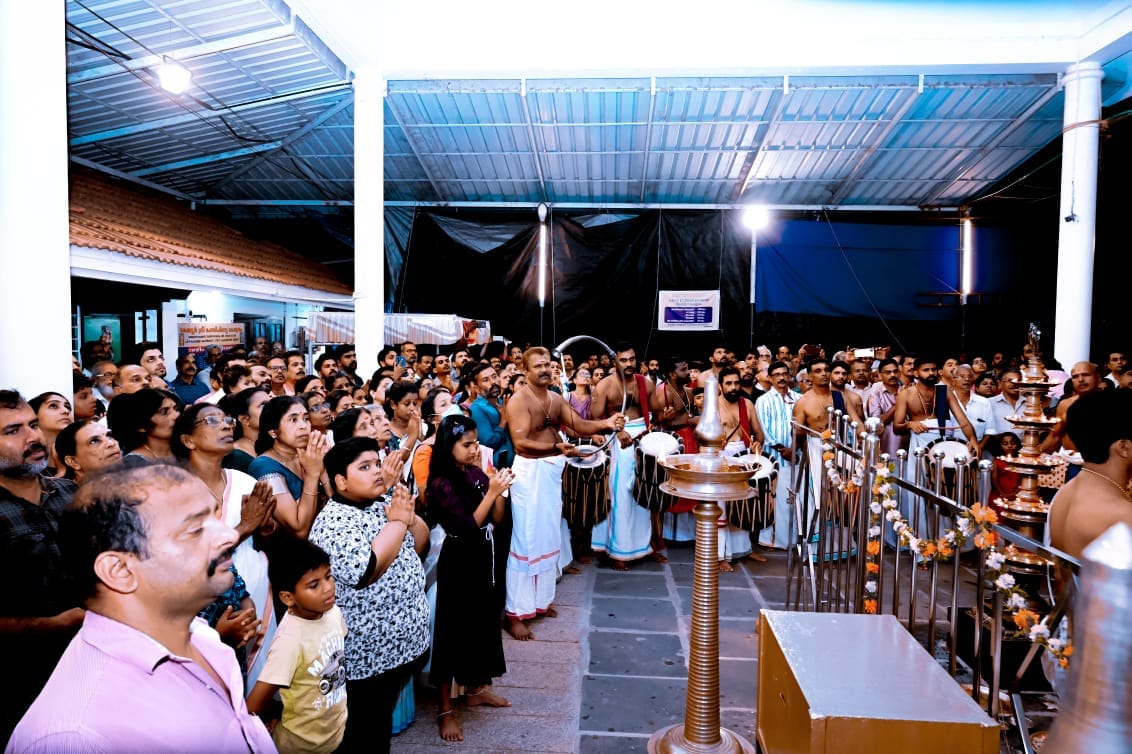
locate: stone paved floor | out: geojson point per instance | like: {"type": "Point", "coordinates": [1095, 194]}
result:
{"type": "Point", "coordinates": [611, 668]}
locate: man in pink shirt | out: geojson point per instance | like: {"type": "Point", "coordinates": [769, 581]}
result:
{"type": "Point", "coordinates": [148, 552]}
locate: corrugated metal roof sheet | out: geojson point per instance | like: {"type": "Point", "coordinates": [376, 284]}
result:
{"type": "Point", "coordinates": [262, 81]}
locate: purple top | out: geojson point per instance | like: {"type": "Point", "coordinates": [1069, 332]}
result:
{"type": "Point", "coordinates": [452, 505]}
{"type": "Point", "coordinates": [581, 405]}
{"type": "Point", "coordinates": [116, 689]}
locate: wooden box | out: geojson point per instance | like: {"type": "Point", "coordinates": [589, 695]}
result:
{"type": "Point", "coordinates": [859, 684]}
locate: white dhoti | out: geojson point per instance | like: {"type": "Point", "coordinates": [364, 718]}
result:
{"type": "Point", "coordinates": [732, 542]}
{"type": "Point", "coordinates": [251, 564]}
{"type": "Point", "coordinates": [814, 482]}
{"type": "Point", "coordinates": [679, 527]}
{"type": "Point", "coordinates": [781, 535]}
{"type": "Point", "coordinates": [912, 506]}
{"type": "Point", "coordinates": [627, 533]}
{"type": "Point", "coordinates": [536, 535]}
{"type": "Point", "coordinates": [566, 552]}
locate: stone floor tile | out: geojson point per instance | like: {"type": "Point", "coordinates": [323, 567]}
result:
{"type": "Point", "coordinates": [633, 614]}
{"type": "Point", "coordinates": [636, 654]}
{"type": "Point", "coordinates": [612, 584]}
{"type": "Point", "coordinates": [633, 705]}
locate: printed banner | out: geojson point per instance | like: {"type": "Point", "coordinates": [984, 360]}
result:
{"type": "Point", "coordinates": [195, 337]}
{"type": "Point", "coordinates": [688, 310]}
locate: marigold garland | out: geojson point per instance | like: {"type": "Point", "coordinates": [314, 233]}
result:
{"type": "Point", "coordinates": [972, 525]}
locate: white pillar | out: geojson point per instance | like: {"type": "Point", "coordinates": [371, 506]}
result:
{"type": "Point", "coordinates": [35, 255]}
{"type": "Point", "coordinates": [369, 218]}
{"type": "Point", "coordinates": [1077, 219]}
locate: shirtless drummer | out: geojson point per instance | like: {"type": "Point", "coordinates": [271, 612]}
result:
{"type": "Point", "coordinates": [627, 534]}
{"type": "Point", "coordinates": [534, 415]}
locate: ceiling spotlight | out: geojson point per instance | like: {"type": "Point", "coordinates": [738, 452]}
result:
{"type": "Point", "coordinates": [174, 77]}
{"type": "Point", "coordinates": [542, 212]}
{"type": "Point", "coordinates": [756, 217]}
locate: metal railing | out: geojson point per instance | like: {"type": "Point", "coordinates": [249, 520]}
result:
{"type": "Point", "coordinates": [830, 527]}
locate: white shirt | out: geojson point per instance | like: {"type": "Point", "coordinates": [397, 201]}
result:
{"type": "Point", "coordinates": [981, 415]}
{"type": "Point", "coordinates": [1001, 407]}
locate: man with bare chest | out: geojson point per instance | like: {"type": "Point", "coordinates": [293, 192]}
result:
{"type": "Point", "coordinates": [742, 433]}
{"type": "Point", "coordinates": [916, 413]}
{"type": "Point", "coordinates": [916, 410]}
{"type": "Point", "coordinates": [534, 416]}
{"type": "Point", "coordinates": [674, 411]}
{"type": "Point", "coordinates": [811, 410]}
{"type": "Point", "coordinates": [626, 534]}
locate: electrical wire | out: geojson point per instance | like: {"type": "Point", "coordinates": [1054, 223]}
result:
{"type": "Point", "coordinates": [853, 272]}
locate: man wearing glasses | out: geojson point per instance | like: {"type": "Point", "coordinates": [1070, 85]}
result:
{"type": "Point", "coordinates": [775, 410]}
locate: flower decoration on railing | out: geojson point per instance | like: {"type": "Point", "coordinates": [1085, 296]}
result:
{"type": "Point", "coordinates": [831, 471]}
{"type": "Point", "coordinates": [974, 525]}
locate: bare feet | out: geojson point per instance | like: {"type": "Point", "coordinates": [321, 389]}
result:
{"type": "Point", "coordinates": [486, 697]}
{"type": "Point", "coordinates": [571, 569]}
{"type": "Point", "coordinates": [550, 613]}
{"type": "Point", "coordinates": [726, 567]}
{"type": "Point", "coordinates": [518, 629]}
{"type": "Point", "coordinates": [756, 557]}
{"type": "Point", "coordinates": [450, 729]}
{"type": "Point", "coordinates": [658, 557]}
{"type": "Point", "coordinates": [619, 565]}
{"type": "Point", "coordinates": [585, 559]}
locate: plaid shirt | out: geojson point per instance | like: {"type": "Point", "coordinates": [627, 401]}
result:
{"type": "Point", "coordinates": [29, 551]}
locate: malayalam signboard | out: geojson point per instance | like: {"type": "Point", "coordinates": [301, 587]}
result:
{"type": "Point", "coordinates": [688, 310]}
{"type": "Point", "coordinates": [195, 337]}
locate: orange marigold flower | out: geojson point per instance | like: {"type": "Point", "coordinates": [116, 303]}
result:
{"type": "Point", "coordinates": [871, 607]}
{"type": "Point", "coordinates": [1063, 662]}
{"type": "Point", "coordinates": [984, 514]}
{"type": "Point", "coordinates": [985, 540]}
{"type": "Point", "coordinates": [928, 549]}
{"type": "Point", "coordinates": [944, 547]}
{"type": "Point", "coordinates": [872, 567]}
{"type": "Point", "coordinates": [827, 434]}
{"type": "Point", "coordinates": [1024, 619]}
{"type": "Point", "coordinates": [827, 456]}
{"type": "Point", "coordinates": [851, 488]}
{"type": "Point", "coordinates": [873, 548]}
{"type": "Point", "coordinates": [1068, 651]}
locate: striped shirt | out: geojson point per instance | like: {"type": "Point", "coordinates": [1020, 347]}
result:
{"type": "Point", "coordinates": [776, 414]}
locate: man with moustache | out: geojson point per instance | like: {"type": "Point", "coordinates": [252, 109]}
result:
{"type": "Point", "coordinates": [1009, 401]}
{"type": "Point", "coordinates": [37, 619]}
{"type": "Point", "coordinates": [490, 415]}
{"type": "Point", "coordinates": [626, 535]}
{"type": "Point", "coordinates": [976, 407]}
{"type": "Point", "coordinates": [152, 358]}
{"type": "Point", "coordinates": [859, 382]}
{"type": "Point", "coordinates": [347, 357]}
{"type": "Point", "coordinates": [775, 410]}
{"type": "Point", "coordinates": [1086, 379]}
{"type": "Point", "coordinates": [326, 367]}
{"type": "Point", "coordinates": [296, 370]}
{"type": "Point", "coordinates": [534, 415]}
{"type": "Point", "coordinates": [811, 410]}
{"type": "Point", "coordinates": [719, 359]}
{"type": "Point", "coordinates": [671, 405]}
{"type": "Point", "coordinates": [130, 378]}
{"type": "Point", "coordinates": [881, 403]}
{"type": "Point", "coordinates": [277, 369]}
{"type": "Point", "coordinates": [742, 432]}
{"type": "Point", "coordinates": [838, 379]}
{"type": "Point", "coordinates": [147, 551]}
{"type": "Point", "coordinates": [185, 384]}
{"type": "Point", "coordinates": [918, 413]}
{"type": "Point", "coordinates": [442, 367]}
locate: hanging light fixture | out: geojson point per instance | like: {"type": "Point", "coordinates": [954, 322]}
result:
{"type": "Point", "coordinates": [174, 77]}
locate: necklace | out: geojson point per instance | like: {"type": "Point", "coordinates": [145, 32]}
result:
{"type": "Point", "coordinates": [680, 396]}
{"type": "Point", "coordinates": [544, 406]}
{"type": "Point", "coordinates": [1110, 480]}
{"type": "Point", "coordinates": [927, 407]}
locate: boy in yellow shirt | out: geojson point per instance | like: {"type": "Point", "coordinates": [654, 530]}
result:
{"type": "Point", "coordinates": [306, 661]}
